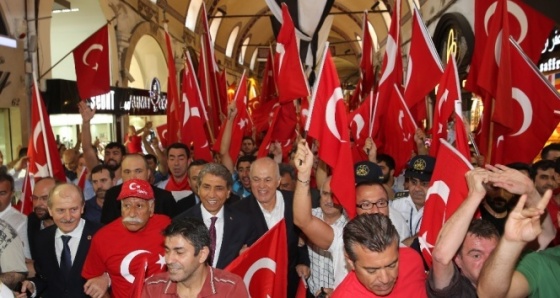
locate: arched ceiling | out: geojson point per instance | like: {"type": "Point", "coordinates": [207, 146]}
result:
{"type": "Point", "coordinates": [253, 19]}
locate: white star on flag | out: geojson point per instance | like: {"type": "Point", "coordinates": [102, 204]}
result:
{"type": "Point", "coordinates": [161, 261]}
{"type": "Point", "coordinates": [424, 244]}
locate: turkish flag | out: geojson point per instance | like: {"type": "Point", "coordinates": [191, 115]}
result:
{"type": "Point", "coordinates": [208, 76]}
{"type": "Point", "coordinates": [82, 178]}
{"type": "Point", "coordinates": [268, 86]}
{"type": "Point", "coordinates": [535, 111]}
{"type": "Point", "coordinates": [361, 122]}
{"type": "Point", "coordinates": [529, 27]}
{"type": "Point", "coordinates": [424, 67]}
{"type": "Point", "coordinates": [25, 203]}
{"type": "Point", "coordinates": [263, 114]}
{"type": "Point", "coordinates": [241, 122]}
{"type": "Point", "coordinates": [392, 70]}
{"type": "Point", "coordinates": [162, 133]}
{"type": "Point", "coordinates": [264, 265]}
{"type": "Point", "coordinates": [461, 133]}
{"type": "Point", "coordinates": [328, 123]}
{"type": "Point", "coordinates": [173, 107]}
{"type": "Point", "coordinates": [399, 129]}
{"type": "Point", "coordinates": [367, 75]}
{"type": "Point", "coordinates": [91, 60]}
{"type": "Point", "coordinates": [194, 115]}
{"type": "Point", "coordinates": [292, 83]}
{"type": "Point", "coordinates": [447, 191]}
{"type": "Point", "coordinates": [282, 128]}
{"type": "Point", "coordinates": [448, 93]}
{"type": "Point", "coordinates": [42, 150]}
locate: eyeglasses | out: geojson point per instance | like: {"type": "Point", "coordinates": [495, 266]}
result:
{"type": "Point", "coordinates": [368, 205]}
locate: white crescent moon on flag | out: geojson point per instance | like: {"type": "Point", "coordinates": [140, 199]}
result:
{"type": "Point", "coordinates": [262, 263]}
{"type": "Point", "coordinates": [331, 111]}
{"type": "Point", "coordinates": [360, 123]}
{"type": "Point", "coordinates": [36, 133]}
{"type": "Point", "coordinates": [389, 49]}
{"type": "Point", "coordinates": [125, 265]}
{"type": "Point", "coordinates": [443, 99]}
{"type": "Point", "coordinates": [408, 71]}
{"type": "Point", "coordinates": [133, 186]}
{"type": "Point", "coordinates": [441, 189]}
{"type": "Point", "coordinates": [95, 46]}
{"type": "Point", "coordinates": [513, 9]}
{"type": "Point", "coordinates": [205, 145]}
{"type": "Point", "coordinates": [187, 110]}
{"type": "Point", "coordinates": [526, 107]}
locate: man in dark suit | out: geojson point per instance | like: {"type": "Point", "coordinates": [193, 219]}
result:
{"type": "Point", "coordinates": [230, 231]}
{"type": "Point", "coordinates": [135, 166]}
{"type": "Point", "coordinates": [39, 218]}
{"type": "Point", "coordinates": [266, 207]}
{"type": "Point", "coordinates": [64, 246]}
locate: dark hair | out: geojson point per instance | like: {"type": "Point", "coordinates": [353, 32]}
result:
{"type": "Point", "coordinates": [482, 228]}
{"type": "Point", "coordinates": [22, 152]}
{"type": "Point", "coordinates": [287, 169]}
{"type": "Point", "coordinates": [547, 149]}
{"type": "Point", "coordinates": [9, 178]}
{"type": "Point", "coordinates": [248, 138]}
{"type": "Point", "coordinates": [372, 183]}
{"type": "Point", "coordinates": [217, 170]}
{"type": "Point", "coordinates": [196, 162]}
{"type": "Point", "coordinates": [192, 229]}
{"type": "Point", "coordinates": [542, 165]}
{"type": "Point", "coordinates": [117, 145]}
{"type": "Point", "coordinates": [387, 159]}
{"type": "Point", "coordinates": [179, 146]}
{"type": "Point", "coordinates": [372, 231]}
{"type": "Point", "coordinates": [151, 157]}
{"type": "Point", "coordinates": [100, 168]}
{"type": "Point", "coordinates": [245, 158]}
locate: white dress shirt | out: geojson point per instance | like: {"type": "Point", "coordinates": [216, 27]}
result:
{"type": "Point", "coordinates": [277, 213]}
{"type": "Point", "coordinates": [219, 225]}
{"type": "Point", "coordinates": [73, 243]}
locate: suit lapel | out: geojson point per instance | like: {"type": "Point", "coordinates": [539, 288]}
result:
{"type": "Point", "coordinates": [83, 247]}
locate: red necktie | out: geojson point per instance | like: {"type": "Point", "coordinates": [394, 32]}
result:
{"type": "Point", "coordinates": [212, 230]}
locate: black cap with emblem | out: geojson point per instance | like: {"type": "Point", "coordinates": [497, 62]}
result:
{"type": "Point", "coordinates": [367, 171]}
{"type": "Point", "coordinates": [421, 167]}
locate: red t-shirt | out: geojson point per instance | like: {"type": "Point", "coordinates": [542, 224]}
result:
{"type": "Point", "coordinates": [123, 254]}
{"type": "Point", "coordinates": [410, 282]}
{"type": "Point", "coordinates": [134, 144]}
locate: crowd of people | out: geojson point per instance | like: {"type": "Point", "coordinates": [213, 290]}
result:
{"type": "Point", "coordinates": [166, 224]}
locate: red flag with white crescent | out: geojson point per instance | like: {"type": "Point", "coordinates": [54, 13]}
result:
{"type": "Point", "coordinates": [91, 60]}
{"type": "Point", "coordinates": [292, 83]}
{"type": "Point", "coordinates": [447, 191]}
{"type": "Point", "coordinates": [264, 265]}
{"type": "Point", "coordinates": [173, 105]}
{"type": "Point", "coordinates": [82, 178]}
{"type": "Point", "coordinates": [42, 149]}
{"type": "Point", "coordinates": [327, 122]}
{"type": "Point", "coordinates": [25, 203]}
{"type": "Point", "coordinates": [162, 133]}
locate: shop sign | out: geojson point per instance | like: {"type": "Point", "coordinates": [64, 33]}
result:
{"type": "Point", "coordinates": [153, 102]}
{"type": "Point", "coordinates": [550, 55]}
{"type": "Point", "coordinates": [104, 102]}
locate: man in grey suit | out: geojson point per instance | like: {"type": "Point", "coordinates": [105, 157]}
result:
{"type": "Point", "coordinates": [230, 232]}
{"type": "Point", "coordinates": [64, 246]}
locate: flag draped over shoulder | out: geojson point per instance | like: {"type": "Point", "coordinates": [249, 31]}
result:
{"type": "Point", "coordinates": [91, 60]}
{"type": "Point", "coordinates": [327, 122]}
{"type": "Point", "coordinates": [447, 191]}
{"type": "Point", "coordinates": [264, 265]}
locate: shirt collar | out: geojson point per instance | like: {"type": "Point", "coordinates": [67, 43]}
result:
{"type": "Point", "coordinates": [206, 216]}
{"type": "Point", "coordinates": [76, 233]}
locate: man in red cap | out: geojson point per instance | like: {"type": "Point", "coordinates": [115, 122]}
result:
{"type": "Point", "coordinates": [127, 249]}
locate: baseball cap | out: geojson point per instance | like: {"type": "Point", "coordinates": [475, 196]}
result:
{"type": "Point", "coordinates": [136, 188]}
{"type": "Point", "coordinates": [421, 167]}
{"type": "Point", "coordinates": [367, 171]}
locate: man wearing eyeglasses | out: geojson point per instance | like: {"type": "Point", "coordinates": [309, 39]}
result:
{"type": "Point", "coordinates": [411, 207]}
{"type": "Point", "coordinates": [371, 198]}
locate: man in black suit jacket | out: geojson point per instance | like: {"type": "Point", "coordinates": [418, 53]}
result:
{"type": "Point", "coordinates": [233, 230]}
{"type": "Point", "coordinates": [265, 178]}
{"type": "Point", "coordinates": [134, 166]}
{"type": "Point", "coordinates": [39, 218]}
{"type": "Point", "coordinates": [59, 262]}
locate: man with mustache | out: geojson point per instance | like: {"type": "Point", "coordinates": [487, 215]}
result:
{"type": "Point", "coordinates": [128, 247]}
{"type": "Point", "coordinates": [187, 249]}
{"type": "Point", "coordinates": [39, 218]}
{"type": "Point", "coordinates": [64, 246]}
{"type": "Point", "coordinates": [102, 179]}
